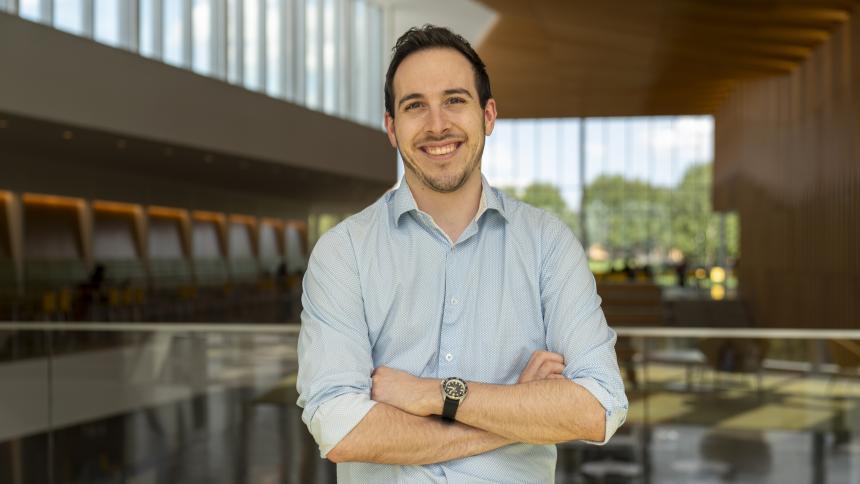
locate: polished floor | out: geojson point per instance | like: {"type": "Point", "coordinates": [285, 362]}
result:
{"type": "Point", "coordinates": [219, 408]}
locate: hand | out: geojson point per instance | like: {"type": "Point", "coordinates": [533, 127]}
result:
{"type": "Point", "coordinates": [418, 396]}
{"type": "Point", "coordinates": [543, 365]}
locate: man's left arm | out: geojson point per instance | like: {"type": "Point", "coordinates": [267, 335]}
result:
{"type": "Point", "coordinates": [587, 404]}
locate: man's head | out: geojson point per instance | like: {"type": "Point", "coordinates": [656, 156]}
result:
{"type": "Point", "coordinates": [439, 107]}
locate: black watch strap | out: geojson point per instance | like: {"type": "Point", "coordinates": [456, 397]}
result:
{"type": "Point", "coordinates": [449, 409]}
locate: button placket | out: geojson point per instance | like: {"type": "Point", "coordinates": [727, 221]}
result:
{"type": "Point", "coordinates": [448, 343]}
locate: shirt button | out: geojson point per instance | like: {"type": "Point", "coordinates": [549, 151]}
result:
{"type": "Point", "coordinates": [455, 301]}
{"type": "Point", "coordinates": [449, 357]}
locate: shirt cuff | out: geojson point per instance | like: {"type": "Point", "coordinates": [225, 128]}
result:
{"type": "Point", "coordinates": [337, 417]}
{"type": "Point", "coordinates": [615, 414]}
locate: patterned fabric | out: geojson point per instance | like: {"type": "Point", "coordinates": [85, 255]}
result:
{"type": "Point", "coordinates": [386, 287]}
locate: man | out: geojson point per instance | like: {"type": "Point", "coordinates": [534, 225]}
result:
{"type": "Point", "coordinates": [446, 297]}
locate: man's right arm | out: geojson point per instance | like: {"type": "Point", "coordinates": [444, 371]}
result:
{"type": "Point", "coordinates": [334, 382]}
{"type": "Point", "coordinates": [388, 435]}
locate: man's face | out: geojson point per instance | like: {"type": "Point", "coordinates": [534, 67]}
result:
{"type": "Point", "coordinates": [439, 125]}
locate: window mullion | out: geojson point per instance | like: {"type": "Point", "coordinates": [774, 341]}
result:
{"type": "Point", "coordinates": [344, 66]}
{"type": "Point", "coordinates": [158, 29]}
{"type": "Point", "coordinates": [262, 35]}
{"type": "Point", "coordinates": [88, 18]}
{"type": "Point", "coordinates": [187, 34]}
{"type": "Point", "coordinates": [285, 60]}
{"type": "Point", "coordinates": [130, 24]}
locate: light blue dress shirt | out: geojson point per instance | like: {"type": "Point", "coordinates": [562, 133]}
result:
{"type": "Point", "coordinates": [386, 287]}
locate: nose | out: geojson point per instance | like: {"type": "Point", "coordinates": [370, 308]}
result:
{"type": "Point", "coordinates": [437, 121]}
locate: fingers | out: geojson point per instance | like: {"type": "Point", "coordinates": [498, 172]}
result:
{"type": "Point", "coordinates": [545, 356]}
{"type": "Point", "coordinates": [541, 365]}
{"type": "Point", "coordinates": [549, 368]}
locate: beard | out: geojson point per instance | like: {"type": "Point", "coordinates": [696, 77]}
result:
{"type": "Point", "coordinates": [444, 183]}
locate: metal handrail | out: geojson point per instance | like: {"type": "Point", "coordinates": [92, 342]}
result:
{"type": "Point", "coordinates": [293, 328]}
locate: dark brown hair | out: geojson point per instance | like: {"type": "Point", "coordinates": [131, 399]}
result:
{"type": "Point", "coordinates": [429, 37]}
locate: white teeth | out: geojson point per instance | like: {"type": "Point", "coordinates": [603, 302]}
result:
{"type": "Point", "coordinates": [441, 150]}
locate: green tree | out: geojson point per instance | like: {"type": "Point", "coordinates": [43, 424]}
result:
{"type": "Point", "coordinates": [548, 197]}
{"type": "Point", "coordinates": [695, 226]}
{"type": "Point", "coordinates": [623, 215]}
{"type": "Point", "coordinates": [631, 218]}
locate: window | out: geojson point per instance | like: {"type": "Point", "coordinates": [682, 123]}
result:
{"type": "Point", "coordinates": [313, 51]}
{"type": "Point", "coordinates": [173, 32]}
{"type": "Point", "coordinates": [69, 16]}
{"type": "Point", "coordinates": [324, 54]}
{"type": "Point", "coordinates": [647, 184]}
{"type": "Point", "coordinates": [329, 47]}
{"type": "Point", "coordinates": [107, 17]}
{"type": "Point", "coordinates": [274, 48]}
{"type": "Point", "coordinates": [202, 19]}
{"type": "Point", "coordinates": [254, 34]}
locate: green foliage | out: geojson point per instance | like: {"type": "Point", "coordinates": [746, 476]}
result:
{"type": "Point", "coordinates": [629, 217]}
{"type": "Point", "coordinates": [548, 197]}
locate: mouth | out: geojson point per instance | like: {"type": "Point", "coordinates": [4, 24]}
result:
{"type": "Point", "coordinates": [442, 151]}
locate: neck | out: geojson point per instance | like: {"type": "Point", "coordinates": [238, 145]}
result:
{"type": "Point", "coordinates": [452, 212]}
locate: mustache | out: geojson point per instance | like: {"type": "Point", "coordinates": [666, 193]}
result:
{"type": "Point", "coordinates": [436, 139]}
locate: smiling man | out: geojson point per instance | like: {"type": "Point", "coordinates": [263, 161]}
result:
{"type": "Point", "coordinates": [451, 333]}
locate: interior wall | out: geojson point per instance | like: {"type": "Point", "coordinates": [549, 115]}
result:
{"type": "Point", "coordinates": [52, 75]}
{"type": "Point", "coordinates": [787, 161]}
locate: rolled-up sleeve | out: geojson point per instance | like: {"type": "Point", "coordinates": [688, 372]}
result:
{"type": "Point", "coordinates": [576, 326]}
{"type": "Point", "coordinates": [334, 351]}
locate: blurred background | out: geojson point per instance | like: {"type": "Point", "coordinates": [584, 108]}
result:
{"type": "Point", "coordinates": [166, 167]}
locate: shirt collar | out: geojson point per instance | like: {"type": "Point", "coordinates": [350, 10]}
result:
{"type": "Point", "coordinates": [401, 201]}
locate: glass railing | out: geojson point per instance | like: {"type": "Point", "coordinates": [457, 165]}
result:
{"type": "Point", "coordinates": [178, 403]}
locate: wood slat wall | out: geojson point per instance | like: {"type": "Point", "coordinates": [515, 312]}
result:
{"type": "Point", "coordinates": [787, 161]}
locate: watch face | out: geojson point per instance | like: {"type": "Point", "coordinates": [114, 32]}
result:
{"type": "Point", "coordinates": [454, 388]}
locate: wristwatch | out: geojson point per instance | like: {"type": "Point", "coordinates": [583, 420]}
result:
{"type": "Point", "coordinates": [454, 391]}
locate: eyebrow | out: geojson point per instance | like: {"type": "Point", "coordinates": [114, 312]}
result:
{"type": "Point", "coordinates": [447, 92]}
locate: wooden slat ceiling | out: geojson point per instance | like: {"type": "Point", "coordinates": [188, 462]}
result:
{"type": "Point", "coordinates": [559, 58]}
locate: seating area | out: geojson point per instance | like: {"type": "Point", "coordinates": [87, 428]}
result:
{"type": "Point", "coordinates": [70, 259]}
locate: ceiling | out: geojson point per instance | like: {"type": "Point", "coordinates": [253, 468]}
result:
{"type": "Point", "coordinates": [561, 58]}
{"type": "Point", "coordinates": [60, 159]}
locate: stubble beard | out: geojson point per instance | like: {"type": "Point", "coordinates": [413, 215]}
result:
{"type": "Point", "coordinates": [444, 184]}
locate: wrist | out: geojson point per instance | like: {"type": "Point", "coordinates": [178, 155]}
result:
{"type": "Point", "coordinates": [431, 397]}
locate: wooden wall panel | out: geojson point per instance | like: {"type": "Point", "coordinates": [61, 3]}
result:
{"type": "Point", "coordinates": [787, 159]}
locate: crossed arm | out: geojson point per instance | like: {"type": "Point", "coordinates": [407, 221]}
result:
{"type": "Point", "coordinates": [542, 408]}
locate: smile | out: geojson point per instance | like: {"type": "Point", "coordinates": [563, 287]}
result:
{"type": "Point", "coordinates": [441, 150]}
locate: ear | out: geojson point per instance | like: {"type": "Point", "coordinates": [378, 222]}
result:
{"type": "Point", "coordinates": [389, 128]}
{"type": "Point", "coordinates": [490, 116]}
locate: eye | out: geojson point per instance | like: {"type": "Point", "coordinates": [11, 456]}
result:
{"type": "Point", "coordinates": [456, 100]}
{"type": "Point", "coordinates": [411, 106]}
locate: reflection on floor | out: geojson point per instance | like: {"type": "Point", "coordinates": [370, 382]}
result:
{"type": "Point", "coordinates": [230, 417]}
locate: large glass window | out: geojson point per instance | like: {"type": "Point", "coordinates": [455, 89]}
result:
{"type": "Point", "coordinates": [148, 17]}
{"type": "Point", "coordinates": [202, 20]}
{"type": "Point", "coordinates": [107, 17]}
{"type": "Point", "coordinates": [313, 49]}
{"type": "Point", "coordinates": [324, 54]}
{"type": "Point", "coordinates": [69, 16]}
{"type": "Point", "coordinates": [646, 192]}
{"type": "Point", "coordinates": [360, 50]}
{"type": "Point", "coordinates": [329, 71]}
{"type": "Point", "coordinates": [235, 52]}
{"type": "Point", "coordinates": [375, 66]}
{"type": "Point", "coordinates": [274, 48]}
{"type": "Point", "coordinates": [253, 79]}
{"type": "Point", "coordinates": [173, 32]}
{"type": "Point", "coordinates": [32, 10]}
